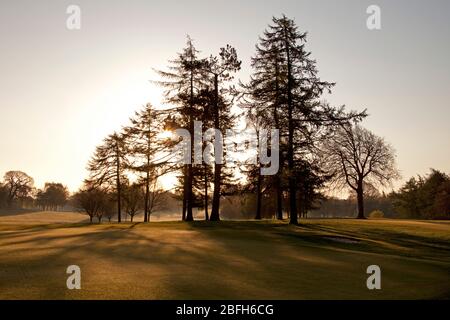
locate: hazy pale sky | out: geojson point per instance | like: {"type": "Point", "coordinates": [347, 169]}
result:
{"type": "Point", "coordinates": [63, 91]}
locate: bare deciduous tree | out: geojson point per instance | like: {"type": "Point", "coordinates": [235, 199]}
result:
{"type": "Point", "coordinates": [93, 201]}
{"type": "Point", "coordinates": [355, 156]}
{"type": "Point", "coordinates": [133, 197]}
{"type": "Point", "coordinates": [156, 197]}
{"type": "Point", "coordinates": [18, 184]}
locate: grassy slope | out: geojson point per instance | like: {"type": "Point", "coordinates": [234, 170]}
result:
{"type": "Point", "coordinates": [227, 260]}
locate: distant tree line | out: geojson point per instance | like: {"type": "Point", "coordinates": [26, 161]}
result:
{"type": "Point", "coordinates": [17, 191]}
{"type": "Point", "coordinates": [53, 197]}
{"type": "Point", "coordinates": [421, 197]}
{"type": "Point", "coordinates": [424, 197]}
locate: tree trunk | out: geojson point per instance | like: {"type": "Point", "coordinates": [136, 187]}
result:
{"type": "Point", "coordinates": [277, 126]}
{"type": "Point", "coordinates": [183, 214]}
{"type": "Point", "coordinates": [258, 197]}
{"type": "Point", "coordinates": [217, 167]}
{"type": "Point", "coordinates": [216, 194]}
{"type": "Point", "coordinates": [119, 205]}
{"type": "Point", "coordinates": [189, 215]}
{"type": "Point", "coordinates": [206, 191]}
{"type": "Point", "coordinates": [147, 190]}
{"type": "Point", "coordinates": [293, 215]}
{"type": "Point", "coordinates": [279, 197]}
{"type": "Point", "coordinates": [360, 197]}
{"type": "Point", "coordinates": [189, 195]}
{"type": "Point", "coordinates": [292, 182]}
{"type": "Point", "coordinates": [119, 196]}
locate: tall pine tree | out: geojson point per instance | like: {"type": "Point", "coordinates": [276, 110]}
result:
{"type": "Point", "coordinates": [107, 167]}
{"type": "Point", "coordinates": [285, 86]}
{"type": "Point", "coordinates": [183, 83]}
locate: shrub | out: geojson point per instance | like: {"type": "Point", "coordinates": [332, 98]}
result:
{"type": "Point", "coordinates": [376, 214]}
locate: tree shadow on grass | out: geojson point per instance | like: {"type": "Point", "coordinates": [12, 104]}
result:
{"type": "Point", "coordinates": [414, 245]}
{"type": "Point", "coordinates": [189, 261]}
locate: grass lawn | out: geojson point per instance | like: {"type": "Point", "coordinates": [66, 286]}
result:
{"type": "Point", "coordinates": [320, 259]}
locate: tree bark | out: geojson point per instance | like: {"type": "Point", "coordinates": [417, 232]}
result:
{"type": "Point", "coordinates": [217, 167]}
{"type": "Point", "coordinates": [279, 197]}
{"type": "Point", "coordinates": [183, 213]}
{"type": "Point", "coordinates": [258, 197]}
{"type": "Point", "coordinates": [279, 191]}
{"type": "Point", "coordinates": [360, 197]}
{"type": "Point", "coordinates": [216, 194]}
{"type": "Point", "coordinates": [189, 215]}
{"type": "Point", "coordinates": [292, 182]}
{"type": "Point", "coordinates": [119, 195]}
{"type": "Point", "coordinates": [206, 191]}
{"type": "Point", "coordinates": [147, 192]}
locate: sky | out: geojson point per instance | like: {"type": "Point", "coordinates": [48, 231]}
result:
{"type": "Point", "coordinates": [62, 91]}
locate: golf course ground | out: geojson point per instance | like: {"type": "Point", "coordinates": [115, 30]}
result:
{"type": "Point", "coordinates": [319, 259]}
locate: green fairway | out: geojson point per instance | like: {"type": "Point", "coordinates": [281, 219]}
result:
{"type": "Point", "coordinates": [320, 259]}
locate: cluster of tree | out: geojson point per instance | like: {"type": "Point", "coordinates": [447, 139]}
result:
{"type": "Point", "coordinates": [285, 92]}
{"type": "Point", "coordinates": [243, 206]}
{"type": "Point", "coordinates": [136, 151]}
{"type": "Point", "coordinates": [53, 197]}
{"type": "Point", "coordinates": [199, 89]}
{"type": "Point", "coordinates": [424, 197]}
{"type": "Point", "coordinates": [318, 143]}
{"type": "Point", "coordinates": [17, 190]}
{"type": "Point", "coordinates": [95, 202]}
